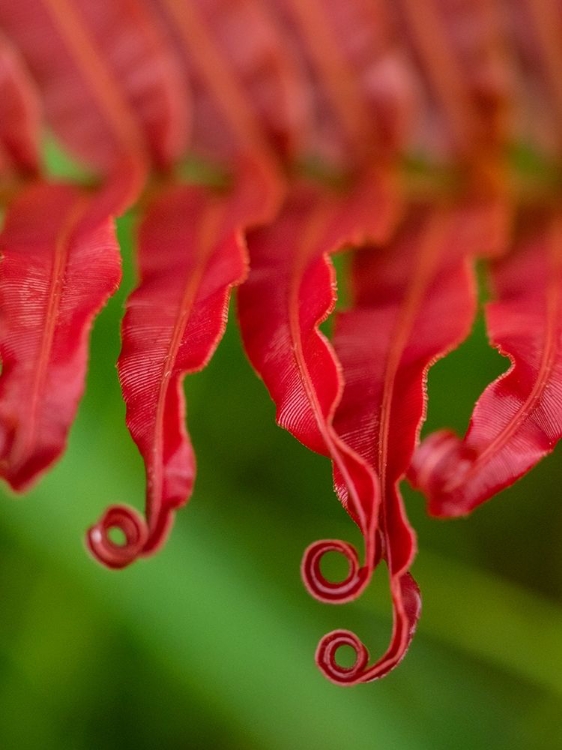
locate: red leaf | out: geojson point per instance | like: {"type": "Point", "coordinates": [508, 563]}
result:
{"type": "Point", "coordinates": [364, 92]}
{"type": "Point", "coordinates": [483, 65]}
{"type": "Point", "coordinates": [465, 70]}
{"type": "Point", "coordinates": [255, 87]}
{"type": "Point", "coordinates": [60, 263]}
{"type": "Point", "coordinates": [191, 254]}
{"type": "Point", "coordinates": [518, 418]}
{"type": "Point", "coordinates": [19, 114]}
{"type": "Point", "coordinates": [386, 83]}
{"type": "Point", "coordinates": [110, 86]}
{"type": "Point", "coordinates": [231, 81]}
{"type": "Point", "coordinates": [398, 326]}
{"type": "Point", "coordinates": [289, 292]}
{"type": "Point", "coordinates": [536, 27]}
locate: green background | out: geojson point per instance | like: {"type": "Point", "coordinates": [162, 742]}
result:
{"type": "Point", "coordinates": [210, 644]}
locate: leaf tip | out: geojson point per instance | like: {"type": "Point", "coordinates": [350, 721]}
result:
{"type": "Point", "coordinates": [115, 554]}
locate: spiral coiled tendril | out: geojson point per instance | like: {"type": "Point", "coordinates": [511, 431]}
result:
{"type": "Point", "coordinates": [406, 603]}
{"type": "Point", "coordinates": [108, 552]}
{"type": "Point", "coordinates": [340, 592]}
{"type": "Point", "coordinates": [318, 585]}
{"type": "Point", "coordinates": [326, 657]}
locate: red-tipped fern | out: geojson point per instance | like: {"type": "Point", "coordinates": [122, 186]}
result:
{"type": "Point", "coordinates": [377, 127]}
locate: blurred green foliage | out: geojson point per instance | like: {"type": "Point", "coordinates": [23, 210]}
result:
{"type": "Point", "coordinates": [210, 644]}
